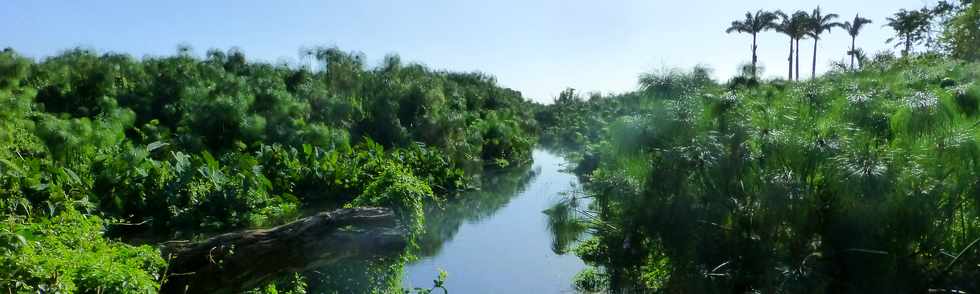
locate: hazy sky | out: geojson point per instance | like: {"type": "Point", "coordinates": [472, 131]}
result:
{"type": "Point", "coordinates": [536, 47]}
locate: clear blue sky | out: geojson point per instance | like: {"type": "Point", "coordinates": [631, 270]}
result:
{"type": "Point", "coordinates": [537, 47]}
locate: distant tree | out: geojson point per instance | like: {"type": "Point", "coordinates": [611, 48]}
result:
{"type": "Point", "coordinates": [940, 17]}
{"type": "Point", "coordinates": [819, 24]}
{"type": "Point", "coordinates": [794, 26]}
{"type": "Point", "coordinates": [567, 96]}
{"type": "Point", "coordinates": [911, 27]}
{"type": "Point", "coordinates": [754, 24]}
{"type": "Point", "coordinates": [786, 26]}
{"type": "Point", "coordinates": [854, 28]}
{"type": "Point", "coordinates": [961, 35]}
{"type": "Point", "coordinates": [800, 21]}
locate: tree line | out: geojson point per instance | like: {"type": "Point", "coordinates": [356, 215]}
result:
{"type": "Point", "coordinates": [912, 27]}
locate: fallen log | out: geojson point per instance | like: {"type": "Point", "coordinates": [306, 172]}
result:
{"type": "Point", "coordinates": [234, 262]}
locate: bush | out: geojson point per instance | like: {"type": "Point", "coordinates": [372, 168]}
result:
{"type": "Point", "coordinates": [67, 254]}
{"type": "Point", "coordinates": [397, 188]}
{"type": "Point", "coordinates": [590, 280]}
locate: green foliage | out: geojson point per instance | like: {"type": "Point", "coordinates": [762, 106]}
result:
{"type": "Point", "coordinates": [295, 284]}
{"type": "Point", "coordinates": [67, 254]}
{"type": "Point", "coordinates": [853, 182]}
{"type": "Point", "coordinates": [182, 146]}
{"type": "Point", "coordinates": [911, 28]}
{"type": "Point", "coordinates": [432, 167]}
{"type": "Point", "coordinates": [590, 280]}
{"type": "Point", "coordinates": [857, 181]}
{"type": "Point", "coordinates": [397, 188]}
{"type": "Point", "coordinates": [962, 33]}
{"type": "Point", "coordinates": [438, 283]}
{"type": "Point", "coordinates": [574, 122]}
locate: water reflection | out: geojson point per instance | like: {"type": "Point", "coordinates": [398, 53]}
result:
{"type": "Point", "coordinates": [498, 188]}
{"type": "Point", "coordinates": [498, 240]}
{"type": "Point", "coordinates": [358, 276]}
{"type": "Point", "coordinates": [495, 240]}
{"type": "Point", "coordinates": [442, 223]}
{"type": "Point", "coordinates": [568, 221]}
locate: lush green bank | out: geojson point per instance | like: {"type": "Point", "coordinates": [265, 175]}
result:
{"type": "Point", "coordinates": [865, 179]}
{"type": "Point", "coordinates": [860, 181]}
{"type": "Point", "coordinates": [180, 146]}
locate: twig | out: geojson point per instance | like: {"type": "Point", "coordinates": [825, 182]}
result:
{"type": "Point", "coordinates": [949, 267]}
{"type": "Point", "coordinates": [869, 251]}
{"type": "Point", "coordinates": [958, 256]}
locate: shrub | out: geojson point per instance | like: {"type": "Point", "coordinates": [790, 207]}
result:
{"type": "Point", "coordinates": [67, 254]}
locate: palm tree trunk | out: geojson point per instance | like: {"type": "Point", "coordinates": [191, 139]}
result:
{"type": "Point", "coordinates": [813, 72]}
{"type": "Point", "coordinates": [797, 59]}
{"type": "Point", "coordinates": [754, 57]}
{"type": "Point", "coordinates": [789, 60]}
{"type": "Point", "coordinates": [852, 53]}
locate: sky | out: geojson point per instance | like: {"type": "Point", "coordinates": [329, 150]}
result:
{"type": "Point", "coordinates": [538, 47]}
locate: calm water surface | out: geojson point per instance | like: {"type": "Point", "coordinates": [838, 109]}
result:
{"type": "Point", "coordinates": [496, 240]}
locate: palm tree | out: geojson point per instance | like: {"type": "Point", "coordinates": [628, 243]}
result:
{"type": "Point", "coordinates": [794, 26]}
{"type": "Point", "coordinates": [854, 28]}
{"type": "Point", "coordinates": [801, 25]}
{"type": "Point", "coordinates": [910, 26]}
{"type": "Point", "coordinates": [819, 23]}
{"type": "Point", "coordinates": [800, 21]}
{"type": "Point", "coordinates": [786, 26]}
{"type": "Point", "coordinates": [754, 24]}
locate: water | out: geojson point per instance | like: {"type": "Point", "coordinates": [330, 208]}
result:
{"type": "Point", "coordinates": [497, 240]}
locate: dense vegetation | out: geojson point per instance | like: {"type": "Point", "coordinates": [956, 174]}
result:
{"type": "Point", "coordinates": [179, 146]}
{"type": "Point", "coordinates": [858, 181]}
{"type": "Point", "coordinates": [865, 179]}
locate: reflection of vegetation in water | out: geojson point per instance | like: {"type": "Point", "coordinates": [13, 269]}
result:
{"type": "Point", "coordinates": [374, 275]}
{"type": "Point", "coordinates": [499, 187]}
{"type": "Point", "coordinates": [359, 276]}
{"type": "Point", "coordinates": [441, 224]}
{"type": "Point", "coordinates": [568, 220]}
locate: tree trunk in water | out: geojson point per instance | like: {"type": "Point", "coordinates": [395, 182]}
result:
{"type": "Point", "coordinates": [789, 60]}
{"type": "Point", "coordinates": [235, 262]}
{"type": "Point", "coordinates": [852, 51]}
{"type": "Point", "coordinates": [813, 72]}
{"type": "Point", "coordinates": [754, 57]}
